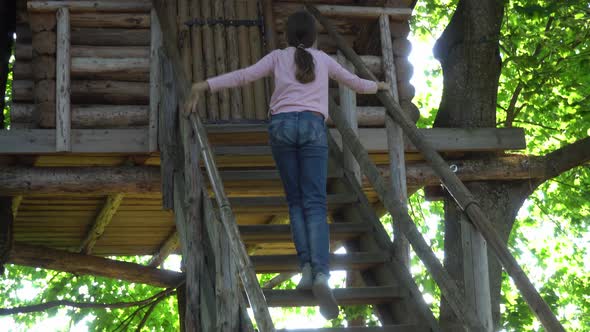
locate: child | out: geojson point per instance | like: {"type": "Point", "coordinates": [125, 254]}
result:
{"type": "Point", "coordinates": [297, 132]}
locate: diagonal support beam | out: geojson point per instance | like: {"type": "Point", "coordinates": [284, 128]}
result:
{"type": "Point", "coordinates": [460, 193]}
{"type": "Point", "coordinates": [103, 219]}
{"type": "Point", "coordinates": [60, 260]}
{"type": "Point", "coordinates": [170, 245]}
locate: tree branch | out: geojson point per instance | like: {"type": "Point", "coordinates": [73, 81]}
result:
{"type": "Point", "coordinates": [83, 305]}
{"type": "Point", "coordinates": [564, 159]}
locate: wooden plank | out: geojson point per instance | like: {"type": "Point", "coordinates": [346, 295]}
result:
{"type": "Point", "coordinates": [260, 101]}
{"type": "Point", "coordinates": [244, 54]}
{"type": "Point", "coordinates": [282, 233]}
{"type": "Point", "coordinates": [155, 78]}
{"type": "Point", "coordinates": [111, 37]}
{"type": "Point", "coordinates": [344, 296]}
{"type": "Point", "coordinates": [233, 61]}
{"type": "Point", "coordinates": [209, 57]}
{"type": "Point", "coordinates": [136, 6]}
{"type": "Point", "coordinates": [63, 63]}
{"type": "Point", "coordinates": [111, 20]}
{"type": "Point", "coordinates": [374, 63]}
{"type": "Point", "coordinates": [35, 256]}
{"type": "Point", "coordinates": [289, 263]}
{"type": "Point", "coordinates": [112, 52]}
{"type": "Point", "coordinates": [198, 56]}
{"type": "Point", "coordinates": [219, 32]}
{"type": "Point", "coordinates": [103, 219]}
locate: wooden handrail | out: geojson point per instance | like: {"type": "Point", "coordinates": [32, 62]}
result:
{"type": "Point", "coordinates": [245, 267]}
{"type": "Point", "coordinates": [456, 188]}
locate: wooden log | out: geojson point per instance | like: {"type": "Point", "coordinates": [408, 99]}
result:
{"type": "Point", "coordinates": [63, 101]}
{"type": "Point", "coordinates": [22, 70]}
{"type": "Point", "coordinates": [169, 246]}
{"type": "Point", "coordinates": [373, 62]}
{"type": "Point", "coordinates": [155, 79]}
{"type": "Point", "coordinates": [260, 101]}
{"type": "Point", "coordinates": [44, 68]}
{"type": "Point", "coordinates": [400, 30]}
{"type": "Point", "coordinates": [110, 92]}
{"type": "Point", "coordinates": [22, 91]}
{"type": "Point", "coordinates": [198, 56]}
{"type": "Point", "coordinates": [348, 106]}
{"type": "Point", "coordinates": [219, 33]}
{"type": "Point", "coordinates": [23, 51]}
{"type": "Point", "coordinates": [402, 47]}
{"type": "Point", "coordinates": [42, 22]}
{"type": "Point", "coordinates": [44, 42]}
{"type": "Point", "coordinates": [233, 61]}
{"type": "Point", "coordinates": [367, 116]}
{"type": "Point", "coordinates": [112, 52]}
{"type": "Point", "coordinates": [44, 91]}
{"type": "Point", "coordinates": [212, 98]}
{"type": "Point", "coordinates": [102, 220]}
{"type": "Point", "coordinates": [23, 32]}
{"type": "Point", "coordinates": [139, 6]}
{"type": "Point", "coordinates": [461, 195]}
{"type": "Point", "coordinates": [404, 69]}
{"type": "Point", "coordinates": [397, 163]}
{"type": "Point", "coordinates": [22, 112]}
{"type": "Point", "coordinates": [111, 20]}
{"type": "Point", "coordinates": [406, 91]}
{"type": "Point", "coordinates": [365, 12]}
{"type": "Point", "coordinates": [24, 181]}
{"type": "Point", "coordinates": [124, 69]}
{"type": "Point", "coordinates": [184, 37]}
{"type": "Point", "coordinates": [269, 26]}
{"type": "Point", "coordinates": [245, 61]}
{"type": "Point", "coordinates": [102, 116]}
{"type": "Point", "coordinates": [110, 37]}
{"type": "Point", "coordinates": [53, 259]}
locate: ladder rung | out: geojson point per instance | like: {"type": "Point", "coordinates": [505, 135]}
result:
{"type": "Point", "coordinates": [253, 234]}
{"type": "Point", "coordinates": [387, 328]}
{"type": "Point", "coordinates": [289, 263]}
{"type": "Point", "coordinates": [344, 296]}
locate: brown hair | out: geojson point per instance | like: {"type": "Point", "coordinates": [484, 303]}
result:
{"type": "Point", "coordinates": [301, 34]}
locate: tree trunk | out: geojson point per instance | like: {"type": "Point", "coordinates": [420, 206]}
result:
{"type": "Point", "coordinates": [469, 55]}
{"type": "Point", "coordinates": [7, 30]}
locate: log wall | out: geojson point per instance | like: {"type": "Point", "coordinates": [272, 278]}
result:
{"type": "Point", "coordinates": [110, 60]}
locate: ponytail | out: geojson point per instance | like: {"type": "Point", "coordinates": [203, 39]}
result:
{"type": "Point", "coordinates": [301, 34]}
{"type": "Point", "coordinates": [305, 72]}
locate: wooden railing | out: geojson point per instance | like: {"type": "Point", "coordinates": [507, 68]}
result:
{"type": "Point", "coordinates": [456, 188]}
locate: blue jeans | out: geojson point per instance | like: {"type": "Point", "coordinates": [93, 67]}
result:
{"type": "Point", "coordinates": [300, 149]}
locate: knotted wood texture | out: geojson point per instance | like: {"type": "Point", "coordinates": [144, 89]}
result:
{"type": "Point", "coordinates": [456, 188]}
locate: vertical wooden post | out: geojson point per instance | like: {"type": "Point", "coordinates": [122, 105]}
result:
{"type": "Point", "coordinates": [198, 54]}
{"type": "Point", "coordinates": [244, 54]}
{"type": "Point", "coordinates": [255, 54]}
{"type": "Point", "coordinates": [6, 222]}
{"type": "Point", "coordinates": [63, 114]}
{"type": "Point", "coordinates": [219, 32]}
{"type": "Point", "coordinates": [395, 143]}
{"type": "Point", "coordinates": [476, 274]}
{"type": "Point", "coordinates": [184, 38]}
{"type": "Point", "coordinates": [155, 77]}
{"type": "Point", "coordinates": [348, 107]}
{"type": "Point", "coordinates": [233, 59]}
{"type": "Point", "coordinates": [269, 26]}
{"type": "Point", "coordinates": [208, 42]}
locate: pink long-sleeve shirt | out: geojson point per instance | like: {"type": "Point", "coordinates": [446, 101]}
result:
{"type": "Point", "coordinates": [289, 94]}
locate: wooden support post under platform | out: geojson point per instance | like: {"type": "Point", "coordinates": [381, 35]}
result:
{"type": "Point", "coordinates": [6, 236]}
{"type": "Point", "coordinates": [59, 260]}
{"type": "Point", "coordinates": [63, 62]}
{"type": "Point", "coordinates": [103, 219]}
{"type": "Point", "coordinates": [460, 193]}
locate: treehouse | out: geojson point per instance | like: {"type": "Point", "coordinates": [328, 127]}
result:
{"type": "Point", "coordinates": [98, 162]}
